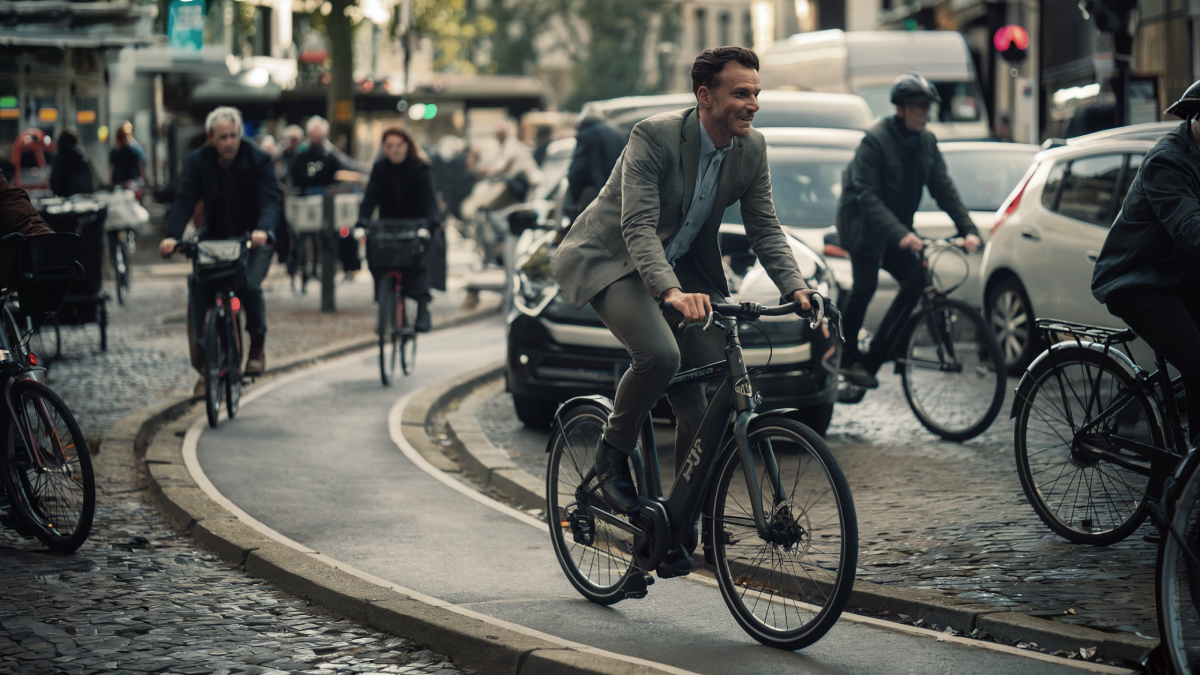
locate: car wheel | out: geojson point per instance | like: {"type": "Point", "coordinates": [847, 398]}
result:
{"type": "Point", "coordinates": [816, 417]}
{"type": "Point", "coordinates": [1011, 316]}
{"type": "Point", "coordinates": [535, 413]}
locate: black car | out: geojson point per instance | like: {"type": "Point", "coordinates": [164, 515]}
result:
{"type": "Point", "coordinates": [556, 352]}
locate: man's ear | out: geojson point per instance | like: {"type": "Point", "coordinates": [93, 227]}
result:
{"type": "Point", "coordinates": [704, 97]}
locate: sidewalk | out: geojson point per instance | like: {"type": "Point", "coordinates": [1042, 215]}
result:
{"type": "Point", "coordinates": [137, 597]}
{"type": "Point", "coordinates": [948, 517]}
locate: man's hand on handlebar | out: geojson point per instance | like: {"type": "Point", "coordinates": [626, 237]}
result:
{"type": "Point", "coordinates": [258, 238]}
{"type": "Point", "coordinates": [972, 243]}
{"type": "Point", "coordinates": [802, 298]}
{"type": "Point", "coordinates": [693, 306]}
{"type": "Point", "coordinates": [911, 242]}
{"type": "Point", "coordinates": [167, 247]}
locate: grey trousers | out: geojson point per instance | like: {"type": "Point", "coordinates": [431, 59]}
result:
{"type": "Point", "coordinates": [657, 351]}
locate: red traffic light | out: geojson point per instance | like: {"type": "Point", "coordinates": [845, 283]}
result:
{"type": "Point", "coordinates": [1009, 37]}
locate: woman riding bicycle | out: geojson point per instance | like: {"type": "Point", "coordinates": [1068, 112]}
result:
{"type": "Point", "coordinates": [401, 185]}
{"type": "Point", "coordinates": [1148, 272]}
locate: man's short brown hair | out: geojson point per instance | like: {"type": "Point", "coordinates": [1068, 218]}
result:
{"type": "Point", "coordinates": [710, 62]}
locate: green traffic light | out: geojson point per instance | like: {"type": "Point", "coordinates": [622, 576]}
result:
{"type": "Point", "coordinates": [430, 111]}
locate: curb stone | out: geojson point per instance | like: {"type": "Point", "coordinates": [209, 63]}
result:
{"type": "Point", "coordinates": [493, 466]}
{"type": "Point", "coordinates": [156, 436]}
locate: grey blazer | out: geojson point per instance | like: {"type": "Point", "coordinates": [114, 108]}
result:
{"type": "Point", "coordinates": [644, 201]}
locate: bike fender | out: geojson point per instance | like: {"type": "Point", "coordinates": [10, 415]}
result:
{"type": "Point", "coordinates": [1116, 356]}
{"type": "Point", "coordinates": [570, 404]}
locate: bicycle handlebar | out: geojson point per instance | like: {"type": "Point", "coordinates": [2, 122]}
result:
{"type": "Point", "coordinates": [820, 310]}
{"type": "Point", "coordinates": [191, 247]}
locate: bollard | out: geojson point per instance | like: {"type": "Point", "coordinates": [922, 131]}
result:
{"type": "Point", "coordinates": [328, 241]}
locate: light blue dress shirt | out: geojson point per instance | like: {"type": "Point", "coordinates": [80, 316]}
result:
{"type": "Point", "coordinates": [707, 176]}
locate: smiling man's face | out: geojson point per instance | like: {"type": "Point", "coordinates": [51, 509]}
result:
{"type": "Point", "coordinates": [732, 101]}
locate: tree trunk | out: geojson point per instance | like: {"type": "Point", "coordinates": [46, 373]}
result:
{"type": "Point", "coordinates": [340, 94]}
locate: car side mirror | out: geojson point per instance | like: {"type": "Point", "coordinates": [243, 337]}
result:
{"type": "Point", "coordinates": [519, 221]}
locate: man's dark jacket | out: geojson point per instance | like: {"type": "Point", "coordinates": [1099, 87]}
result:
{"type": "Point", "coordinates": [315, 167]}
{"type": "Point", "coordinates": [254, 205]}
{"type": "Point", "coordinates": [874, 193]}
{"type": "Point", "coordinates": [597, 147]}
{"type": "Point", "coordinates": [1155, 239]}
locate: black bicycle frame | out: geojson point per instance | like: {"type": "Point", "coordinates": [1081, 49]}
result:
{"type": "Point", "coordinates": [693, 478]}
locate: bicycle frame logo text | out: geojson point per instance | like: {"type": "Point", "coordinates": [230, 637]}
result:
{"type": "Point", "coordinates": [693, 460]}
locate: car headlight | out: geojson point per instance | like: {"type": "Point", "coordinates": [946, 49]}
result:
{"type": "Point", "coordinates": [531, 297]}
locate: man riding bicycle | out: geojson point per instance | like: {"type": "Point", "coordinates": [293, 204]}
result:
{"type": "Point", "coordinates": [241, 197]}
{"type": "Point", "coordinates": [651, 236]}
{"type": "Point", "coordinates": [1148, 271]}
{"type": "Point", "coordinates": [881, 189]}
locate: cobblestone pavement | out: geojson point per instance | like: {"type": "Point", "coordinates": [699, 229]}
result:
{"type": "Point", "coordinates": [944, 516]}
{"type": "Point", "coordinates": [138, 598]}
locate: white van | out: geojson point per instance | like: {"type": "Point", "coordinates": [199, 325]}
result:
{"type": "Point", "coordinates": [866, 63]}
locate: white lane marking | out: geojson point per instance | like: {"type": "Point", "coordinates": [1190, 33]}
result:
{"type": "Point", "coordinates": [191, 461]}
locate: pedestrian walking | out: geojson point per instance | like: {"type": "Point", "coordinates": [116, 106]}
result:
{"type": "Point", "coordinates": [71, 173]}
{"type": "Point", "coordinates": [881, 189]}
{"type": "Point", "coordinates": [401, 186]}
{"type": "Point", "coordinates": [597, 146]}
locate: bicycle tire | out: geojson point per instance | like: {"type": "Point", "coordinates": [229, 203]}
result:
{"type": "Point", "coordinates": [389, 335]}
{"type": "Point", "coordinates": [1084, 500]}
{"type": "Point", "coordinates": [58, 501]}
{"type": "Point", "coordinates": [408, 337]}
{"type": "Point", "coordinates": [121, 272]}
{"type": "Point", "coordinates": [102, 321]}
{"type": "Point", "coordinates": [954, 404]}
{"type": "Point", "coordinates": [596, 556]}
{"type": "Point", "coordinates": [793, 580]}
{"type": "Point", "coordinates": [233, 372]}
{"type": "Point", "coordinates": [1177, 584]}
{"type": "Point", "coordinates": [212, 367]}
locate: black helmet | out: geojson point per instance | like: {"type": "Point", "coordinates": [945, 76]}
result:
{"type": "Point", "coordinates": [1188, 105]}
{"type": "Point", "coordinates": [912, 88]}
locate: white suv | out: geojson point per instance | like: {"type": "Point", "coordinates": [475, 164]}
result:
{"type": "Point", "coordinates": [1048, 233]}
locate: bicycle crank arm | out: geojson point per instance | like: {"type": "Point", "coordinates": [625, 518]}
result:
{"type": "Point", "coordinates": [616, 522]}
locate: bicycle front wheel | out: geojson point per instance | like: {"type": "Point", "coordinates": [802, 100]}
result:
{"type": "Point", "coordinates": [596, 556]}
{"type": "Point", "coordinates": [389, 336]}
{"type": "Point", "coordinates": [233, 365]}
{"type": "Point", "coordinates": [213, 364]}
{"type": "Point", "coordinates": [786, 593]}
{"type": "Point", "coordinates": [1074, 490]}
{"type": "Point", "coordinates": [51, 483]}
{"type": "Point", "coordinates": [953, 370]}
{"type": "Point", "coordinates": [1177, 584]}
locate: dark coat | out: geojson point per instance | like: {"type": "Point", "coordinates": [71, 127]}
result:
{"type": "Point", "coordinates": [314, 167]}
{"type": "Point", "coordinates": [256, 204]}
{"type": "Point", "coordinates": [72, 174]}
{"type": "Point", "coordinates": [405, 190]}
{"type": "Point", "coordinates": [17, 213]}
{"type": "Point", "coordinates": [1155, 239]}
{"type": "Point", "coordinates": [597, 147]}
{"type": "Point", "coordinates": [874, 192]}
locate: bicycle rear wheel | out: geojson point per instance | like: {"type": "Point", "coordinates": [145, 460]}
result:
{"type": "Point", "coordinates": [1078, 495]}
{"type": "Point", "coordinates": [595, 555]}
{"type": "Point", "coordinates": [389, 335]}
{"type": "Point", "coordinates": [408, 337]}
{"type": "Point", "coordinates": [213, 364]}
{"type": "Point", "coordinates": [953, 370]}
{"type": "Point", "coordinates": [120, 269]}
{"type": "Point", "coordinates": [55, 494]}
{"type": "Point", "coordinates": [789, 593]}
{"type": "Point", "coordinates": [1177, 584]}
{"type": "Point", "coordinates": [233, 370]}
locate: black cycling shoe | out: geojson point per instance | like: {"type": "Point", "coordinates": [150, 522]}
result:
{"type": "Point", "coordinates": [858, 375]}
{"type": "Point", "coordinates": [677, 564]}
{"type": "Point", "coordinates": [616, 482]}
{"type": "Point", "coordinates": [424, 322]}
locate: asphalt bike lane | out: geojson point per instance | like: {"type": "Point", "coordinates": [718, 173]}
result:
{"type": "Point", "coordinates": [313, 459]}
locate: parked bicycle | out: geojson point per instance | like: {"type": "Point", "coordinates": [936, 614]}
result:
{"type": "Point", "coordinates": [947, 357]}
{"type": "Point", "coordinates": [1177, 571]}
{"type": "Point", "coordinates": [49, 489]}
{"type": "Point", "coordinates": [394, 245]}
{"type": "Point", "coordinates": [219, 269]}
{"type": "Point", "coordinates": [1096, 435]}
{"type": "Point", "coordinates": [776, 515]}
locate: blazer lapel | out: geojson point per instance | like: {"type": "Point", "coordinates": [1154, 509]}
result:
{"type": "Point", "coordinates": [690, 156]}
{"type": "Point", "coordinates": [731, 167]}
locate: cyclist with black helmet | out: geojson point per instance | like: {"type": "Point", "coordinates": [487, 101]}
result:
{"type": "Point", "coordinates": [881, 189]}
{"type": "Point", "coordinates": [1148, 271]}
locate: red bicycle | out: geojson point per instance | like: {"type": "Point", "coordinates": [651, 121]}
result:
{"type": "Point", "coordinates": [394, 245]}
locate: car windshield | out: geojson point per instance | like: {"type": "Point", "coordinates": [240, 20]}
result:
{"type": "Point", "coordinates": [984, 178]}
{"type": "Point", "coordinates": [805, 185]}
{"type": "Point", "coordinates": [960, 101]}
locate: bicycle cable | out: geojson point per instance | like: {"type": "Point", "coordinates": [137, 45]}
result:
{"type": "Point", "coordinates": [770, 348]}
